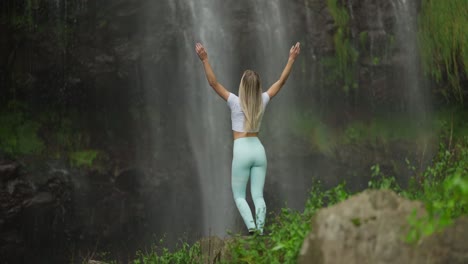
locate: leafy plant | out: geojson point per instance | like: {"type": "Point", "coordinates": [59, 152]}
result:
{"type": "Point", "coordinates": [380, 181]}
{"type": "Point", "coordinates": [341, 66]}
{"type": "Point", "coordinates": [443, 187]}
{"type": "Point", "coordinates": [183, 255]}
{"type": "Point", "coordinates": [443, 42]}
{"type": "Point", "coordinates": [286, 234]}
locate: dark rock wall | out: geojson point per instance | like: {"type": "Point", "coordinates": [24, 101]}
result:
{"type": "Point", "coordinates": [98, 63]}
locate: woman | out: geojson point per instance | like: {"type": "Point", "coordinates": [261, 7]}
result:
{"type": "Point", "coordinates": [249, 159]}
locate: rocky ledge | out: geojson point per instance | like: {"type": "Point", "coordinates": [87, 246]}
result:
{"type": "Point", "coordinates": [369, 227]}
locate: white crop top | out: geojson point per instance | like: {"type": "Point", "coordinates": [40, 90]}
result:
{"type": "Point", "coordinates": [237, 115]}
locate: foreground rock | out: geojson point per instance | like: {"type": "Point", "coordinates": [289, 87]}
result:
{"type": "Point", "coordinates": [370, 227]}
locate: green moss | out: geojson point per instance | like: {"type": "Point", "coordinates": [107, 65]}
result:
{"type": "Point", "coordinates": [83, 158]}
{"type": "Point", "coordinates": [356, 222]}
{"type": "Point", "coordinates": [363, 38]}
{"type": "Point", "coordinates": [380, 129]}
{"type": "Point", "coordinates": [343, 64]}
{"type": "Point", "coordinates": [375, 60]}
{"type": "Point", "coordinates": [443, 41]}
{"type": "Point", "coordinates": [18, 133]}
{"type": "Point", "coordinates": [326, 138]}
{"type": "Point", "coordinates": [23, 132]}
{"type": "Point", "coordinates": [22, 20]}
{"type": "Point", "coordinates": [339, 14]}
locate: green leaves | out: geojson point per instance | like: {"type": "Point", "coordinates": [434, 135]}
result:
{"type": "Point", "coordinates": [443, 189]}
{"type": "Point", "coordinates": [380, 181]}
{"type": "Point", "coordinates": [443, 41]}
{"type": "Point", "coordinates": [342, 65]}
{"type": "Point", "coordinates": [183, 255]}
{"type": "Point", "coordinates": [18, 133]}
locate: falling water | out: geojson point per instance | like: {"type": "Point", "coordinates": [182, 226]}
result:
{"type": "Point", "coordinates": [285, 175]}
{"type": "Point", "coordinates": [406, 33]}
{"type": "Point", "coordinates": [208, 117]}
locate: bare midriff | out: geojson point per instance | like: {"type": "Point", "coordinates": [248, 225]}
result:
{"type": "Point", "coordinates": [238, 134]}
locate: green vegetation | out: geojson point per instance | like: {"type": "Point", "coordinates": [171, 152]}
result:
{"type": "Point", "coordinates": [442, 38]}
{"type": "Point", "coordinates": [381, 130]}
{"type": "Point", "coordinates": [84, 158]}
{"type": "Point", "coordinates": [378, 131]}
{"type": "Point", "coordinates": [286, 234]}
{"type": "Point", "coordinates": [19, 16]}
{"type": "Point", "coordinates": [23, 132]}
{"type": "Point", "coordinates": [18, 133]}
{"type": "Point", "coordinates": [443, 41]}
{"type": "Point", "coordinates": [33, 17]}
{"type": "Point", "coordinates": [363, 38]}
{"type": "Point", "coordinates": [443, 187]}
{"type": "Point", "coordinates": [341, 67]}
{"type": "Point", "coordinates": [185, 254]}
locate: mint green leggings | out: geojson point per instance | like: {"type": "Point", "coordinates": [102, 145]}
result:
{"type": "Point", "coordinates": [249, 160]}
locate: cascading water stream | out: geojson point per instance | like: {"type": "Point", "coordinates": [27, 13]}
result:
{"type": "Point", "coordinates": [406, 32]}
{"type": "Point", "coordinates": [284, 173]}
{"type": "Point", "coordinates": [208, 117]}
{"type": "Point", "coordinates": [224, 31]}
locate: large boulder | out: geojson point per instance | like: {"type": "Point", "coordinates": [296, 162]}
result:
{"type": "Point", "coordinates": [370, 228]}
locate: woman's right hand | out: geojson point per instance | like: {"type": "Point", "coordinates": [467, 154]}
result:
{"type": "Point", "coordinates": [294, 51]}
{"type": "Point", "coordinates": [201, 51]}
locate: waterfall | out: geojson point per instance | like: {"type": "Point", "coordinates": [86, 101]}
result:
{"type": "Point", "coordinates": [406, 35]}
{"type": "Point", "coordinates": [265, 51]}
{"type": "Point", "coordinates": [208, 116]}
{"type": "Point", "coordinates": [286, 174]}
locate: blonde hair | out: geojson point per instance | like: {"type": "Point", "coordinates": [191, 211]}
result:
{"type": "Point", "coordinates": [250, 95]}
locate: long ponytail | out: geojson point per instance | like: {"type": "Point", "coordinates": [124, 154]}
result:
{"type": "Point", "coordinates": [250, 95]}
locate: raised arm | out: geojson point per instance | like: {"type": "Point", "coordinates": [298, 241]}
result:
{"type": "Point", "coordinates": [210, 76]}
{"type": "Point", "coordinates": [276, 87]}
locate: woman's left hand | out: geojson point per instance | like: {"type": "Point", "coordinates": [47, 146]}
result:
{"type": "Point", "coordinates": [201, 51]}
{"type": "Point", "coordinates": [294, 51]}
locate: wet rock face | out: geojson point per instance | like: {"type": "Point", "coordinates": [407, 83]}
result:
{"type": "Point", "coordinates": [370, 227]}
{"type": "Point", "coordinates": [32, 213]}
{"type": "Point", "coordinates": [103, 59]}
{"type": "Point", "coordinates": [57, 213]}
{"type": "Point", "coordinates": [109, 46]}
{"type": "Point", "coordinates": [377, 33]}
{"type": "Point", "coordinates": [8, 171]}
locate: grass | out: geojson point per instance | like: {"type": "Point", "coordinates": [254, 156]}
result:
{"type": "Point", "coordinates": [443, 42]}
